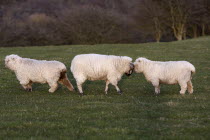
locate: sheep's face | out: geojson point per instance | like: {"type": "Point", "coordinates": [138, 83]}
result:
{"type": "Point", "coordinates": [138, 64]}
{"type": "Point", "coordinates": [130, 69]}
{"type": "Point", "coordinates": [11, 61]}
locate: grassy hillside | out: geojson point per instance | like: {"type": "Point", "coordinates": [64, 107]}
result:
{"type": "Point", "coordinates": [136, 114]}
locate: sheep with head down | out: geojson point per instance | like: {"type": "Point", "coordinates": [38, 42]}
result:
{"type": "Point", "coordinates": [170, 72]}
{"type": "Point", "coordinates": [30, 71]}
{"type": "Point", "coordinates": [92, 67]}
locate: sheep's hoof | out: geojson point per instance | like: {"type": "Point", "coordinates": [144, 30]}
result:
{"type": "Point", "coordinates": [190, 92]}
{"type": "Point", "coordinates": [72, 90]}
{"type": "Point", "coordinates": [182, 93]}
{"type": "Point", "coordinates": [81, 94]}
{"type": "Point", "coordinates": [120, 92]}
{"type": "Point", "coordinates": [157, 93]}
{"type": "Point", "coordinates": [29, 89]}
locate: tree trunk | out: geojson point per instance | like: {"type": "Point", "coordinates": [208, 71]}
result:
{"type": "Point", "coordinates": [185, 34]}
{"type": "Point", "coordinates": [179, 37]}
{"type": "Point", "coordinates": [178, 31]}
{"type": "Point", "coordinates": [203, 29]}
{"type": "Point", "coordinates": [157, 39]}
{"type": "Point", "coordinates": [158, 32]}
{"type": "Point", "coordinates": [195, 31]}
{"type": "Point", "coordinates": [158, 35]}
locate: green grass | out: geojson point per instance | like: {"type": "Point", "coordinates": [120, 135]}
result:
{"type": "Point", "coordinates": [137, 114]}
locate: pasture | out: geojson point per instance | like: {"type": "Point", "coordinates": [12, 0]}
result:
{"type": "Point", "coordinates": [137, 114]}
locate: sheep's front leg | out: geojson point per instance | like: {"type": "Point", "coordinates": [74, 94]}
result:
{"type": "Point", "coordinates": [157, 86]}
{"type": "Point", "coordinates": [26, 85]}
{"type": "Point", "coordinates": [80, 80]}
{"type": "Point", "coordinates": [79, 86]}
{"type": "Point", "coordinates": [107, 84]}
{"type": "Point", "coordinates": [114, 83]}
{"type": "Point", "coordinates": [157, 89]}
{"type": "Point", "coordinates": [53, 86]}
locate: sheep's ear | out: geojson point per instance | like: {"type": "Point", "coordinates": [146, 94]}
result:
{"type": "Point", "coordinates": [17, 60]}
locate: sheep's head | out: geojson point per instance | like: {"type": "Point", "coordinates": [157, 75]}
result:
{"type": "Point", "coordinates": [139, 64]}
{"type": "Point", "coordinates": [125, 65]}
{"type": "Point", "coordinates": [131, 68]}
{"type": "Point", "coordinates": [11, 61]}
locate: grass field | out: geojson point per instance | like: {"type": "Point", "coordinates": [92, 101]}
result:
{"type": "Point", "coordinates": [137, 114]}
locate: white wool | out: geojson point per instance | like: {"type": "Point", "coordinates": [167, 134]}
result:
{"type": "Point", "coordinates": [31, 70]}
{"type": "Point", "coordinates": [170, 72]}
{"type": "Point", "coordinates": [100, 67]}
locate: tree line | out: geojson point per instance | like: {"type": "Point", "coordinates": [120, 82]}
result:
{"type": "Point", "coordinates": [59, 22]}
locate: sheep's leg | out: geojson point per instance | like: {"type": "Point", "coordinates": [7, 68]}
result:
{"type": "Point", "coordinates": [29, 86]}
{"type": "Point", "coordinates": [107, 84]}
{"type": "Point", "coordinates": [117, 88]}
{"type": "Point", "coordinates": [79, 86]}
{"type": "Point", "coordinates": [157, 86]}
{"type": "Point", "coordinates": [53, 86]}
{"type": "Point", "coordinates": [157, 89]}
{"type": "Point", "coordinates": [183, 86]}
{"type": "Point", "coordinates": [26, 85]}
{"type": "Point", "coordinates": [189, 87]}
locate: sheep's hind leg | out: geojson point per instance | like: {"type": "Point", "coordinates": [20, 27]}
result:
{"type": "Point", "coordinates": [189, 87]}
{"type": "Point", "coordinates": [107, 84]}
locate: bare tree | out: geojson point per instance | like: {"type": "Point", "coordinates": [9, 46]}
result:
{"type": "Point", "coordinates": [150, 18]}
{"type": "Point", "coordinates": [90, 24]}
{"type": "Point", "coordinates": [204, 15]}
{"type": "Point", "coordinates": [178, 13]}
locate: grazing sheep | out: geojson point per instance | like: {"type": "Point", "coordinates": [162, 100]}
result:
{"type": "Point", "coordinates": [171, 72]}
{"type": "Point", "coordinates": [30, 71]}
{"type": "Point", "coordinates": [100, 67]}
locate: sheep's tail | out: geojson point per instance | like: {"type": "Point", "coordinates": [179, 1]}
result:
{"type": "Point", "coordinates": [65, 81]}
{"type": "Point", "coordinates": [192, 69]}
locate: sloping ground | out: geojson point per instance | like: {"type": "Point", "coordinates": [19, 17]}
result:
{"type": "Point", "coordinates": [138, 113]}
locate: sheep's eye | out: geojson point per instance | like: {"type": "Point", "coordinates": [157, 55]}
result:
{"type": "Point", "coordinates": [139, 60]}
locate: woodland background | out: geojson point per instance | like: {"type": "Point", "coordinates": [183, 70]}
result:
{"type": "Point", "coordinates": [60, 22]}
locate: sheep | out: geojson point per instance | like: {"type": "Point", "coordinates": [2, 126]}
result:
{"type": "Point", "coordinates": [30, 71]}
{"type": "Point", "coordinates": [92, 67]}
{"type": "Point", "coordinates": [171, 72]}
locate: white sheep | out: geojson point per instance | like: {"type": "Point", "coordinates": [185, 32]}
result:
{"type": "Point", "coordinates": [171, 72]}
{"type": "Point", "coordinates": [30, 71]}
{"type": "Point", "coordinates": [92, 67]}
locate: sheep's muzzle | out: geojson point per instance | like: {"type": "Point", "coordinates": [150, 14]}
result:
{"type": "Point", "coordinates": [129, 73]}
